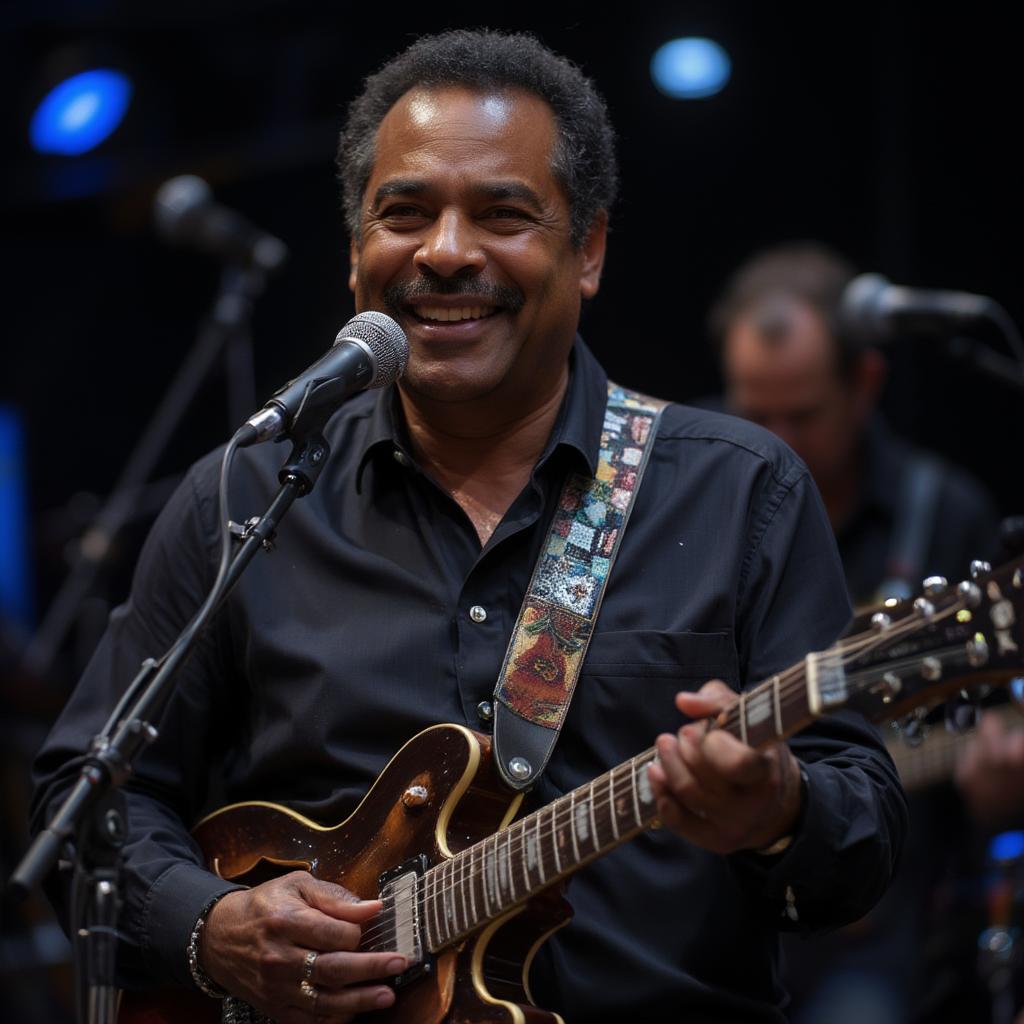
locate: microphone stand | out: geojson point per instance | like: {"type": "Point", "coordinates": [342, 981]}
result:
{"type": "Point", "coordinates": [226, 329]}
{"type": "Point", "coordinates": [987, 361]}
{"type": "Point", "coordinates": [91, 820]}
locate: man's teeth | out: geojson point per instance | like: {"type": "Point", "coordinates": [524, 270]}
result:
{"type": "Point", "coordinates": [453, 312]}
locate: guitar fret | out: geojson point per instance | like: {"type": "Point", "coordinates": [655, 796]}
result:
{"type": "Point", "coordinates": [438, 932]}
{"type": "Point", "coordinates": [448, 896]}
{"type": "Point", "coordinates": [636, 799]}
{"type": "Point", "coordinates": [540, 851]}
{"type": "Point", "coordinates": [554, 838]}
{"type": "Point", "coordinates": [591, 800]}
{"type": "Point", "coordinates": [524, 853]}
{"type": "Point", "coordinates": [490, 881]}
{"type": "Point", "coordinates": [460, 868]}
{"type": "Point", "coordinates": [511, 873]}
{"type": "Point", "coordinates": [472, 893]}
{"type": "Point", "coordinates": [572, 826]}
{"type": "Point", "coordinates": [611, 804]}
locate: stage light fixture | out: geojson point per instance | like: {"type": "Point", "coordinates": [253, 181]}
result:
{"type": "Point", "coordinates": [79, 113]}
{"type": "Point", "coordinates": [690, 68]}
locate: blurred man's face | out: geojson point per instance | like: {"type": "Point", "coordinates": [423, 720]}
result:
{"type": "Point", "coordinates": [790, 383]}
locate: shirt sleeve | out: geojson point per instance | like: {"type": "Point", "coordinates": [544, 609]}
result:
{"type": "Point", "coordinates": [164, 885]}
{"type": "Point", "coordinates": [854, 815]}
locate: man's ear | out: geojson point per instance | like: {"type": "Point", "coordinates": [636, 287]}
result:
{"type": "Point", "coordinates": [592, 252]}
{"type": "Point", "coordinates": [353, 260]}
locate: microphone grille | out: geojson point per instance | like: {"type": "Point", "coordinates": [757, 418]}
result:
{"type": "Point", "coordinates": [385, 339]}
{"type": "Point", "coordinates": [860, 310]}
{"type": "Point", "coordinates": [175, 201]}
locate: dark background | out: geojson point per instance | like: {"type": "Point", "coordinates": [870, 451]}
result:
{"type": "Point", "coordinates": [882, 130]}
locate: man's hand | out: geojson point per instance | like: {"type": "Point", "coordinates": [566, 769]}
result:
{"type": "Point", "coordinates": [990, 774]}
{"type": "Point", "coordinates": [255, 941]}
{"type": "Point", "coordinates": [717, 792]}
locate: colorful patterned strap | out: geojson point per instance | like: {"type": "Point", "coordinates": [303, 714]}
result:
{"type": "Point", "coordinates": [556, 622]}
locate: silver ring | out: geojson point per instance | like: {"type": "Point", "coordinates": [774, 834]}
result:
{"type": "Point", "coordinates": [308, 963]}
{"type": "Point", "coordinates": [310, 991]}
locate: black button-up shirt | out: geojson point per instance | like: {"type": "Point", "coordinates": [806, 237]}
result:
{"type": "Point", "coordinates": [358, 630]}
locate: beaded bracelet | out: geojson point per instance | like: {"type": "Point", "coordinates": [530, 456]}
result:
{"type": "Point", "coordinates": [202, 980]}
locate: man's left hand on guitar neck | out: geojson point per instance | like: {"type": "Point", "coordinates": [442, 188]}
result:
{"type": "Point", "coordinates": [716, 791]}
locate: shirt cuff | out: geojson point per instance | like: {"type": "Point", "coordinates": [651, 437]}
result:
{"type": "Point", "coordinates": [172, 906]}
{"type": "Point", "coordinates": [779, 879]}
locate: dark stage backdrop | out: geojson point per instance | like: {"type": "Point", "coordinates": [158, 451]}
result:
{"type": "Point", "coordinates": [885, 130]}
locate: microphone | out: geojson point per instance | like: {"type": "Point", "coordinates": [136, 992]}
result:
{"type": "Point", "coordinates": [186, 214]}
{"type": "Point", "coordinates": [874, 310]}
{"type": "Point", "coordinates": [370, 351]}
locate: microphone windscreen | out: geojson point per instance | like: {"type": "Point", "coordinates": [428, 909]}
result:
{"type": "Point", "coordinates": [385, 339]}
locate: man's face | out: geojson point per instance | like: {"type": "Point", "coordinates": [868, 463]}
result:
{"type": "Point", "coordinates": [792, 386]}
{"type": "Point", "coordinates": [465, 240]}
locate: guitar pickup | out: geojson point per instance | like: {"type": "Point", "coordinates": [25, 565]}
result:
{"type": "Point", "coordinates": [401, 917]}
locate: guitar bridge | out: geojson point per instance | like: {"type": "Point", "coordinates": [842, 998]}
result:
{"type": "Point", "coordinates": [400, 917]}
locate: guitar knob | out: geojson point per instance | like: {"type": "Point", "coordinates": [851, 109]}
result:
{"type": "Point", "coordinates": [934, 586]}
{"type": "Point", "coordinates": [415, 797]}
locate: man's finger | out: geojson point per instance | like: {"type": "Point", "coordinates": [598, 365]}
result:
{"type": "Point", "coordinates": [337, 970]}
{"type": "Point", "coordinates": [334, 900]}
{"type": "Point", "coordinates": [340, 1004]}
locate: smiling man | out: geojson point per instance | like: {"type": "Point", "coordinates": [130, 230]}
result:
{"type": "Point", "coordinates": [478, 174]}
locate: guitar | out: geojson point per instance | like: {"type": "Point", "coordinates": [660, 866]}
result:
{"type": "Point", "coordinates": [470, 892]}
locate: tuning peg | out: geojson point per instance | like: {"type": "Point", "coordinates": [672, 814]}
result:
{"type": "Point", "coordinates": [978, 567]}
{"type": "Point", "coordinates": [931, 669]}
{"type": "Point", "coordinates": [970, 592]}
{"type": "Point", "coordinates": [880, 622]}
{"type": "Point", "coordinates": [914, 729]}
{"type": "Point", "coordinates": [935, 586]}
{"type": "Point", "coordinates": [977, 650]}
{"type": "Point", "coordinates": [924, 607]}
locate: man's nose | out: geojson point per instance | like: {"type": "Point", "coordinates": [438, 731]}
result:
{"type": "Point", "coordinates": [451, 246]}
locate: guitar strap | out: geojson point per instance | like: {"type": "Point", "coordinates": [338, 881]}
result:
{"type": "Point", "coordinates": [555, 624]}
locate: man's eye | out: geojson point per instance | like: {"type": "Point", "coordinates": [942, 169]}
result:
{"type": "Point", "coordinates": [506, 213]}
{"type": "Point", "coordinates": [402, 210]}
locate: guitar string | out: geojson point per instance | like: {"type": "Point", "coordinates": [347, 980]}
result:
{"type": "Point", "coordinates": [841, 653]}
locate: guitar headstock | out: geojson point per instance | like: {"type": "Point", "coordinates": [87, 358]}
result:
{"type": "Point", "coordinates": [907, 654]}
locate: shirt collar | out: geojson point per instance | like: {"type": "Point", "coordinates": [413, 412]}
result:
{"type": "Point", "coordinates": [577, 428]}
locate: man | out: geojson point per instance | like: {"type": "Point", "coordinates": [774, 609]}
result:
{"type": "Point", "coordinates": [899, 514]}
{"type": "Point", "coordinates": [478, 172]}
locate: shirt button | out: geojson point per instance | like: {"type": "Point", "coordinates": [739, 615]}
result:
{"type": "Point", "coordinates": [401, 458]}
{"type": "Point", "coordinates": [478, 613]}
{"type": "Point", "coordinates": [485, 711]}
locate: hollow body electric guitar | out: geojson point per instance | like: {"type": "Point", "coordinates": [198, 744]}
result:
{"type": "Point", "coordinates": [470, 892]}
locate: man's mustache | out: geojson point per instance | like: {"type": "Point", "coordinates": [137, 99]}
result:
{"type": "Point", "coordinates": [476, 292]}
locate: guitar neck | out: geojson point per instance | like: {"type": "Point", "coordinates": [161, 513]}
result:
{"type": "Point", "coordinates": [488, 879]}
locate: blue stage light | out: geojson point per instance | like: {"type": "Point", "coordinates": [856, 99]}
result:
{"type": "Point", "coordinates": [691, 68]}
{"type": "Point", "coordinates": [80, 113]}
{"type": "Point", "coordinates": [15, 571]}
{"type": "Point", "coordinates": [1007, 846]}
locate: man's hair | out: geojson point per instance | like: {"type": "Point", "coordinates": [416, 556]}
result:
{"type": "Point", "coordinates": [583, 160]}
{"type": "Point", "coordinates": [806, 272]}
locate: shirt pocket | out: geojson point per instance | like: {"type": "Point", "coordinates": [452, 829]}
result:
{"type": "Point", "coordinates": [626, 692]}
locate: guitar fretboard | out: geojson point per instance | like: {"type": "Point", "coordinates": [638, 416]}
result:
{"type": "Point", "coordinates": [491, 877]}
